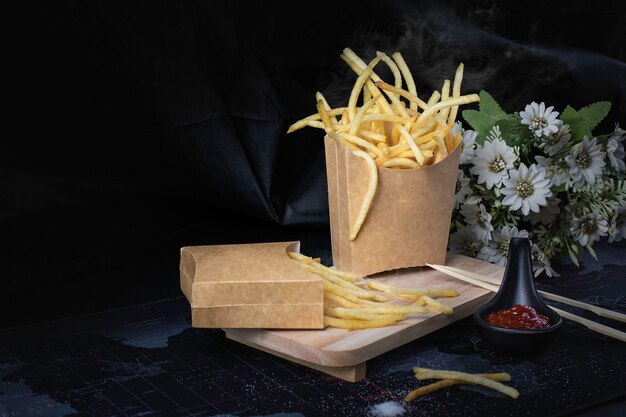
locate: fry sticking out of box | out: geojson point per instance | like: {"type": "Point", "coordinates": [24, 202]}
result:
{"type": "Point", "coordinates": [408, 221]}
{"type": "Point", "coordinates": [250, 286]}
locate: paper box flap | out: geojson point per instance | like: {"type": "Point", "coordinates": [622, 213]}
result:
{"type": "Point", "coordinates": [245, 274]}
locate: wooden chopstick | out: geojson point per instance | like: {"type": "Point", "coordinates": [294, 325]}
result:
{"type": "Point", "coordinates": [554, 297]}
{"type": "Point", "coordinates": [591, 325]}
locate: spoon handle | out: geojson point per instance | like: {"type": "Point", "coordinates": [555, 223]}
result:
{"type": "Point", "coordinates": [462, 277]}
{"type": "Point", "coordinates": [595, 309]}
{"type": "Point", "coordinates": [592, 325]}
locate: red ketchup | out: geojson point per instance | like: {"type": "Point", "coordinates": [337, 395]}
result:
{"type": "Point", "coordinates": [518, 317]}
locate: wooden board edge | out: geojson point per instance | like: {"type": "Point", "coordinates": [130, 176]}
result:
{"type": "Point", "coordinates": [352, 373]}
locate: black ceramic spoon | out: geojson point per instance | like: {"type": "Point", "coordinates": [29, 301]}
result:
{"type": "Point", "coordinates": [518, 287]}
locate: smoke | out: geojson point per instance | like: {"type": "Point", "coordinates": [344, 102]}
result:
{"type": "Point", "coordinates": [433, 39]}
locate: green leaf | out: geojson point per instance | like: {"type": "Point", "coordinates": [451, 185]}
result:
{"type": "Point", "coordinates": [573, 257]}
{"type": "Point", "coordinates": [480, 122]}
{"type": "Point", "coordinates": [514, 132]}
{"type": "Point", "coordinates": [490, 106]}
{"type": "Point", "coordinates": [489, 114]}
{"type": "Point", "coordinates": [583, 121]}
{"type": "Point", "coordinates": [472, 200]}
{"type": "Point", "coordinates": [592, 252]}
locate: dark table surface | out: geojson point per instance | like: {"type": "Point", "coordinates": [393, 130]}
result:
{"type": "Point", "coordinates": [148, 360]}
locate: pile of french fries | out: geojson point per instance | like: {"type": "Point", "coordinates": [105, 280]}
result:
{"type": "Point", "coordinates": [351, 302]}
{"type": "Point", "coordinates": [393, 127]}
{"type": "Point", "coordinates": [448, 378]}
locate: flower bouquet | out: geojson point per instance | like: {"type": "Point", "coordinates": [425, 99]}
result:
{"type": "Point", "coordinates": [540, 174]}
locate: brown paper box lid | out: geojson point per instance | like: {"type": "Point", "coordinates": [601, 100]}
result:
{"type": "Point", "coordinates": [247, 274]}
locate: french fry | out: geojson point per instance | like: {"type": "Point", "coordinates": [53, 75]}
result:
{"type": "Point", "coordinates": [400, 162]}
{"type": "Point", "coordinates": [419, 302]}
{"type": "Point", "coordinates": [423, 373]}
{"type": "Point", "coordinates": [329, 287]}
{"type": "Point", "coordinates": [358, 85]}
{"type": "Point", "coordinates": [396, 103]}
{"type": "Point", "coordinates": [347, 299]}
{"type": "Point", "coordinates": [373, 90]}
{"type": "Point", "coordinates": [470, 98]}
{"type": "Point", "coordinates": [314, 117]}
{"type": "Point", "coordinates": [363, 314]}
{"type": "Point", "coordinates": [376, 137]}
{"type": "Point", "coordinates": [384, 117]}
{"type": "Point", "coordinates": [363, 143]}
{"type": "Point", "coordinates": [444, 383]}
{"type": "Point", "coordinates": [419, 157]}
{"type": "Point", "coordinates": [335, 300]}
{"type": "Point", "coordinates": [445, 94]}
{"type": "Point", "coordinates": [320, 97]}
{"type": "Point", "coordinates": [391, 127]}
{"type": "Point", "coordinates": [350, 324]}
{"type": "Point", "coordinates": [408, 77]}
{"type": "Point", "coordinates": [409, 154]}
{"type": "Point", "coordinates": [433, 292]}
{"type": "Point", "coordinates": [354, 290]}
{"type": "Point", "coordinates": [369, 195]}
{"type": "Point", "coordinates": [348, 286]}
{"type": "Point", "coordinates": [358, 117]}
{"type": "Point", "coordinates": [437, 305]}
{"type": "Point", "coordinates": [307, 259]}
{"type": "Point", "coordinates": [394, 309]}
{"type": "Point", "coordinates": [456, 92]}
{"type": "Point", "coordinates": [340, 140]}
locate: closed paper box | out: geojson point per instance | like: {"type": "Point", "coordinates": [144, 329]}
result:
{"type": "Point", "coordinates": [408, 221]}
{"type": "Point", "coordinates": [250, 286]}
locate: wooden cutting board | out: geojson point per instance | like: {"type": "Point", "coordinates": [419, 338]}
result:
{"type": "Point", "coordinates": [344, 353]}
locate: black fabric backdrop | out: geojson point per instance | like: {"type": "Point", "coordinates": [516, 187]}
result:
{"type": "Point", "coordinates": [140, 127]}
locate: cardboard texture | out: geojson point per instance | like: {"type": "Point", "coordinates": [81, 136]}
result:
{"type": "Point", "coordinates": [408, 221]}
{"type": "Point", "coordinates": [250, 286]}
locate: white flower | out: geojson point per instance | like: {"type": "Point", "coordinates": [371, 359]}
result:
{"type": "Point", "coordinates": [463, 188]}
{"type": "Point", "coordinates": [457, 128]}
{"type": "Point", "coordinates": [498, 249]}
{"type": "Point", "coordinates": [554, 143]}
{"type": "Point", "coordinates": [492, 162]}
{"type": "Point", "coordinates": [469, 145]}
{"type": "Point", "coordinates": [526, 189]}
{"type": "Point", "coordinates": [546, 214]}
{"type": "Point", "coordinates": [586, 162]}
{"type": "Point", "coordinates": [617, 226]}
{"type": "Point", "coordinates": [552, 170]}
{"type": "Point", "coordinates": [615, 151]}
{"type": "Point", "coordinates": [539, 119]}
{"type": "Point", "coordinates": [478, 220]}
{"type": "Point", "coordinates": [588, 228]}
{"type": "Point", "coordinates": [541, 262]}
{"type": "Point", "coordinates": [465, 242]}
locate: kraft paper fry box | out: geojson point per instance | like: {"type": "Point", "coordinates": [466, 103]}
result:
{"type": "Point", "coordinates": [250, 286]}
{"type": "Point", "coordinates": [408, 221]}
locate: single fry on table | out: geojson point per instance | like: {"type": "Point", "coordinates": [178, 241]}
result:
{"type": "Point", "coordinates": [425, 373]}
